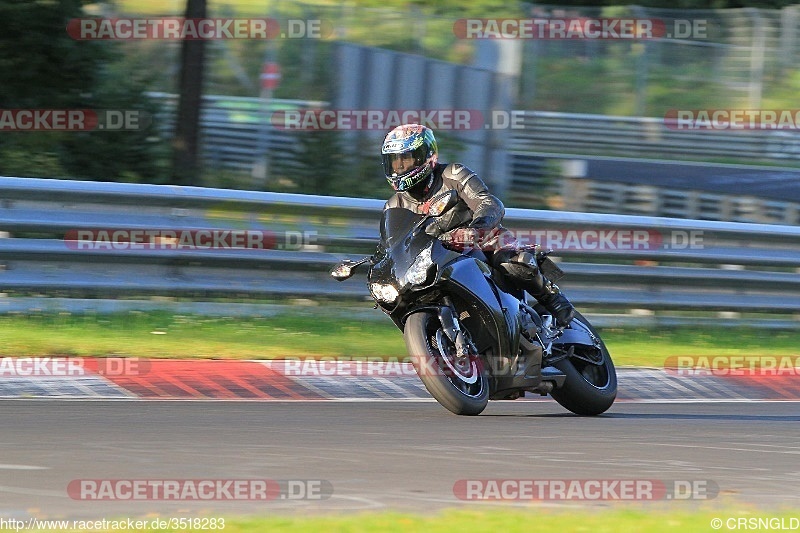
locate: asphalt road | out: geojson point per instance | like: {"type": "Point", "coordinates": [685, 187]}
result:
{"type": "Point", "coordinates": [405, 456]}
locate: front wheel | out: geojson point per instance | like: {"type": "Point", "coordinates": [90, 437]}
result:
{"type": "Point", "coordinates": [591, 385]}
{"type": "Point", "coordinates": [460, 384]}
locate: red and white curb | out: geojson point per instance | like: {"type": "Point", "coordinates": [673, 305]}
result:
{"type": "Point", "coordinates": [334, 380]}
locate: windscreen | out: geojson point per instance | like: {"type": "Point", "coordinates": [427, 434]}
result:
{"type": "Point", "coordinates": [396, 223]}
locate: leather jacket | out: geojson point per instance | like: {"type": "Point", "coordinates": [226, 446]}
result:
{"type": "Point", "coordinates": [476, 207]}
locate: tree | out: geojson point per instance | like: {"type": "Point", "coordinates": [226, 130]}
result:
{"type": "Point", "coordinates": [185, 143]}
{"type": "Point", "coordinates": [42, 67]}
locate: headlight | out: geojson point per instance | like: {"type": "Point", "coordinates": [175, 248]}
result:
{"type": "Point", "coordinates": [418, 271]}
{"type": "Point", "coordinates": [384, 293]}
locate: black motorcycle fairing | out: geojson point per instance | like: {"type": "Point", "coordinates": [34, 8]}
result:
{"type": "Point", "coordinates": [511, 367]}
{"type": "Point", "coordinates": [452, 306]}
{"type": "Point", "coordinates": [469, 281]}
{"type": "Point", "coordinates": [575, 336]}
{"type": "Point", "coordinates": [397, 250]}
{"type": "Point", "coordinates": [472, 278]}
{"type": "Point", "coordinates": [578, 342]}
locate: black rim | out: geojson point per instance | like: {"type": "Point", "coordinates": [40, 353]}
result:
{"type": "Point", "coordinates": [465, 373]}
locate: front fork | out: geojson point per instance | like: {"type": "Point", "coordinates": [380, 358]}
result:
{"type": "Point", "coordinates": [453, 330]}
{"type": "Point", "coordinates": [526, 374]}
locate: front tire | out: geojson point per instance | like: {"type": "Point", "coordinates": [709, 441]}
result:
{"type": "Point", "coordinates": [461, 390]}
{"type": "Point", "coordinates": [589, 389]}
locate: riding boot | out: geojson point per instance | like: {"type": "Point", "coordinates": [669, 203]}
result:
{"type": "Point", "coordinates": [523, 269]}
{"type": "Point", "coordinates": [554, 301]}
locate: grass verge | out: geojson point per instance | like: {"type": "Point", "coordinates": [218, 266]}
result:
{"type": "Point", "coordinates": [512, 520]}
{"type": "Point", "coordinates": [163, 335]}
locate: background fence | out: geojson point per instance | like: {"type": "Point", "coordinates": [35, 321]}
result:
{"type": "Point", "coordinates": [231, 134]}
{"type": "Point", "coordinates": [551, 162]}
{"type": "Point", "coordinates": [699, 267]}
{"type": "Point", "coordinates": [742, 58]}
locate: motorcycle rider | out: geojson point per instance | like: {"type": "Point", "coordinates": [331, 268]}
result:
{"type": "Point", "coordinates": [411, 165]}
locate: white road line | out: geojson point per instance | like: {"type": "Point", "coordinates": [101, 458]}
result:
{"type": "Point", "coordinates": [34, 492]}
{"type": "Point", "coordinates": [749, 450]}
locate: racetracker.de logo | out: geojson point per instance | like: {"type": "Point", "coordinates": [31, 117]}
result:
{"type": "Point", "coordinates": [199, 489]}
{"type": "Point", "coordinates": [41, 366]}
{"type": "Point", "coordinates": [386, 119]}
{"type": "Point", "coordinates": [73, 366]}
{"type": "Point", "coordinates": [193, 29]}
{"type": "Point", "coordinates": [73, 119]}
{"type": "Point", "coordinates": [559, 28]}
{"type": "Point", "coordinates": [584, 489]}
{"type": "Point", "coordinates": [732, 119]}
{"type": "Point", "coordinates": [194, 239]}
{"type": "Point", "coordinates": [733, 365]}
{"type": "Point", "coordinates": [583, 239]}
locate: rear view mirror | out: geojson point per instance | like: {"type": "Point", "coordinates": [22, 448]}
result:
{"type": "Point", "coordinates": [343, 270]}
{"type": "Point", "coordinates": [347, 268]}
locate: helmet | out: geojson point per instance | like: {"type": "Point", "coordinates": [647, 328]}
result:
{"type": "Point", "coordinates": [409, 154]}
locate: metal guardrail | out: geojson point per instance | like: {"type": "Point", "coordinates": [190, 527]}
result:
{"type": "Point", "coordinates": [760, 261]}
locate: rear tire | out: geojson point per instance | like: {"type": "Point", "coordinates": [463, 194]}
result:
{"type": "Point", "coordinates": [445, 385]}
{"type": "Point", "coordinates": [589, 389]}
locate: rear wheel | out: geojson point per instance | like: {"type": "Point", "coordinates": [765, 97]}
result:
{"type": "Point", "coordinates": [591, 384]}
{"type": "Point", "coordinates": [459, 383]}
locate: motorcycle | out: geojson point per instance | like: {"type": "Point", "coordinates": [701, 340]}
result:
{"type": "Point", "coordinates": [471, 335]}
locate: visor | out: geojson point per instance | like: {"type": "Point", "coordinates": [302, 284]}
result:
{"type": "Point", "coordinates": [398, 166]}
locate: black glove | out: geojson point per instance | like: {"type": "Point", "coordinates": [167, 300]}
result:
{"type": "Point", "coordinates": [433, 228]}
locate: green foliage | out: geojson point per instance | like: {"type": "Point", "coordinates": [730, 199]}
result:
{"type": "Point", "coordinates": [326, 164]}
{"type": "Point", "coordinates": [319, 164]}
{"type": "Point", "coordinates": [306, 69]}
{"type": "Point", "coordinates": [686, 4]}
{"type": "Point", "coordinates": [27, 156]}
{"type": "Point", "coordinates": [581, 85]}
{"type": "Point", "coordinates": [784, 88]}
{"type": "Point", "coordinates": [320, 331]}
{"type": "Point", "coordinates": [132, 156]}
{"type": "Point", "coordinates": [41, 67]}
